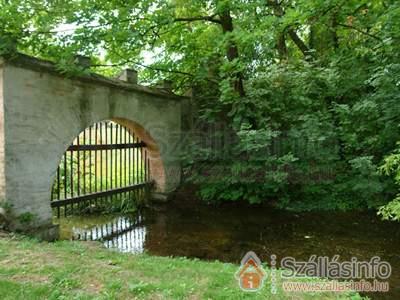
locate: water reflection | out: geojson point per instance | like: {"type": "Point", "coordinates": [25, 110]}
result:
{"type": "Point", "coordinates": [128, 241]}
{"type": "Point", "coordinates": [228, 232]}
{"type": "Point", "coordinates": [123, 233]}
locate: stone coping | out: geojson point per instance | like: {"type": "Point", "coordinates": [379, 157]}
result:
{"type": "Point", "coordinates": [41, 65]}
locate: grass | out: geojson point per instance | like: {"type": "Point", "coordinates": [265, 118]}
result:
{"type": "Point", "coordinates": [85, 270]}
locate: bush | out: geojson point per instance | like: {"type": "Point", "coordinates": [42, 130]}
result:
{"type": "Point", "coordinates": [391, 167]}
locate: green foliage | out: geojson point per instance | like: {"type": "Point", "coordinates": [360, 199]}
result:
{"type": "Point", "coordinates": [391, 166]}
{"type": "Point", "coordinates": [391, 211]}
{"type": "Point", "coordinates": [26, 218]}
{"type": "Point", "coordinates": [243, 169]}
{"type": "Point", "coordinates": [6, 206]}
{"type": "Point", "coordinates": [318, 109]}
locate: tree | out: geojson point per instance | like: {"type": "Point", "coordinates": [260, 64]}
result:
{"type": "Point", "coordinates": [318, 80]}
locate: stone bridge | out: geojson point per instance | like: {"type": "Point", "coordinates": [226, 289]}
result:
{"type": "Point", "coordinates": [42, 111]}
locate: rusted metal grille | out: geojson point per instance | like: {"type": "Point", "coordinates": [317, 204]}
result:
{"type": "Point", "coordinates": [106, 165]}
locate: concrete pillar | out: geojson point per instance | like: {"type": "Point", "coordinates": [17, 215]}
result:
{"type": "Point", "coordinates": [165, 85]}
{"type": "Point", "coordinates": [129, 75]}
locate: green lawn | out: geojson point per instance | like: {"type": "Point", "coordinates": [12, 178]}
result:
{"type": "Point", "coordinates": [76, 270]}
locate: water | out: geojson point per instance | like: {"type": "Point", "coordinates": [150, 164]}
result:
{"type": "Point", "coordinates": [122, 233]}
{"type": "Point", "coordinates": [226, 233]}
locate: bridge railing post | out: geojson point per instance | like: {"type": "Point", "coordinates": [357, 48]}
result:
{"type": "Point", "coordinates": [129, 75]}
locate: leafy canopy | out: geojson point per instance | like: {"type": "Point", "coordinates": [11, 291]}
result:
{"type": "Point", "coordinates": [310, 87]}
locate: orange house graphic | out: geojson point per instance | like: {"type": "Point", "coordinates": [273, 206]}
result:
{"type": "Point", "coordinates": [251, 274]}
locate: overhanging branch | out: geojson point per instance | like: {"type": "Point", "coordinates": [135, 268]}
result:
{"type": "Point", "coordinates": [211, 19]}
{"type": "Point", "coordinates": [360, 31]}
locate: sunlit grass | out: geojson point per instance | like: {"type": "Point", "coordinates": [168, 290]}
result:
{"type": "Point", "coordinates": [76, 270]}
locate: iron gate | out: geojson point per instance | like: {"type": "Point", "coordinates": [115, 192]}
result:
{"type": "Point", "coordinates": [105, 165]}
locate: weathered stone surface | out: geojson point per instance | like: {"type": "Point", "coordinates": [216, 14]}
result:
{"type": "Point", "coordinates": [159, 197]}
{"type": "Point", "coordinates": [83, 61]}
{"type": "Point", "coordinates": [129, 75]}
{"type": "Point", "coordinates": [41, 112]}
{"type": "Point", "coordinates": [4, 221]}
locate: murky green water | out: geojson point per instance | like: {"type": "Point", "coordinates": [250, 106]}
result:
{"type": "Point", "coordinates": [228, 232]}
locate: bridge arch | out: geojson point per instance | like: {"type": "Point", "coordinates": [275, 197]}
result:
{"type": "Point", "coordinates": [107, 164]}
{"type": "Point", "coordinates": [41, 112]}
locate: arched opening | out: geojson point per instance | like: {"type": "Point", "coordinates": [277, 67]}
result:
{"type": "Point", "coordinates": [107, 167]}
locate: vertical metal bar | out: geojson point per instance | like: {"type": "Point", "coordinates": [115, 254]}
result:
{"type": "Point", "coordinates": [137, 166]}
{"type": "Point", "coordinates": [58, 190]}
{"type": "Point", "coordinates": [120, 161]}
{"type": "Point", "coordinates": [58, 184]}
{"type": "Point", "coordinates": [79, 165]}
{"type": "Point", "coordinates": [134, 166]}
{"type": "Point", "coordinates": [148, 169]}
{"type": "Point", "coordinates": [125, 161]}
{"type": "Point", "coordinates": [72, 177]}
{"type": "Point", "coordinates": [111, 160]}
{"type": "Point", "coordinates": [133, 156]}
{"type": "Point", "coordinates": [52, 192]}
{"type": "Point", "coordinates": [128, 163]}
{"type": "Point", "coordinates": [84, 163]}
{"type": "Point", "coordinates": [78, 174]}
{"type": "Point", "coordinates": [95, 159]}
{"type": "Point", "coordinates": [144, 156]}
{"type": "Point", "coordinates": [106, 138]}
{"type": "Point", "coordinates": [101, 157]}
{"type": "Point", "coordinates": [90, 164]}
{"type": "Point", "coordinates": [147, 166]}
{"type": "Point", "coordinates": [120, 157]}
{"type": "Point", "coordinates": [90, 161]}
{"type": "Point", "coordinates": [137, 162]}
{"type": "Point", "coordinates": [65, 175]}
{"type": "Point", "coordinates": [101, 163]}
{"type": "Point", "coordinates": [116, 157]}
{"type": "Point", "coordinates": [142, 161]}
{"type": "Point", "coordinates": [72, 172]}
{"type": "Point", "coordinates": [65, 182]}
{"type": "Point", "coordinates": [128, 159]}
{"type": "Point", "coordinates": [143, 173]}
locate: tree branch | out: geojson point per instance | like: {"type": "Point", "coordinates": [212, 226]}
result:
{"type": "Point", "coordinates": [299, 42]}
{"type": "Point", "coordinates": [198, 18]}
{"type": "Point", "coordinates": [279, 12]}
{"type": "Point", "coordinates": [127, 62]}
{"type": "Point", "coordinates": [360, 31]}
{"type": "Point", "coordinates": [232, 51]}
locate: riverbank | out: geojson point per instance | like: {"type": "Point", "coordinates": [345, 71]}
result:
{"type": "Point", "coordinates": [85, 270]}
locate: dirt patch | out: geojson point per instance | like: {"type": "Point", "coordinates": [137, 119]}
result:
{"type": "Point", "coordinates": [93, 287]}
{"type": "Point", "coordinates": [4, 234]}
{"type": "Point", "coordinates": [24, 278]}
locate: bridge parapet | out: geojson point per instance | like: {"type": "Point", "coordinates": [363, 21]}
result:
{"type": "Point", "coordinates": [42, 111]}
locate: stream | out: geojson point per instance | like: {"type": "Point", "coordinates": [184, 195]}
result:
{"type": "Point", "coordinates": [227, 232]}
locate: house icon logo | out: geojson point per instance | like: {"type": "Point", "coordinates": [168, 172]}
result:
{"type": "Point", "coordinates": [251, 274]}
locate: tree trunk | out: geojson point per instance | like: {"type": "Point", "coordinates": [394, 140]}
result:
{"type": "Point", "coordinates": [232, 50]}
{"type": "Point", "coordinates": [335, 38]}
{"type": "Point", "coordinates": [299, 42]}
{"type": "Point", "coordinates": [278, 11]}
{"type": "Point", "coordinates": [281, 46]}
